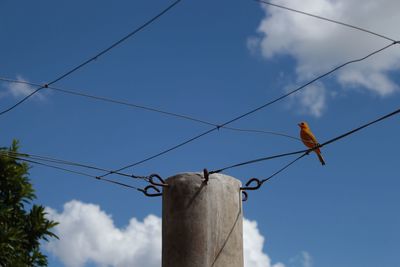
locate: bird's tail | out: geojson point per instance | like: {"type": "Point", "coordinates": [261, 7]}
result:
{"type": "Point", "coordinates": [321, 159]}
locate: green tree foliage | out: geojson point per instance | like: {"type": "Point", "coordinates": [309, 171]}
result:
{"type": "Point", "coordinates": [21, 229]}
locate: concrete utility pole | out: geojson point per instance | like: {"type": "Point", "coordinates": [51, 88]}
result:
{"type": "Point", "coordinates": [202, 223]}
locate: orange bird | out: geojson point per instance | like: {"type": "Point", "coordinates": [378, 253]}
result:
{"type": "Point", "coordinates": [309, 139]}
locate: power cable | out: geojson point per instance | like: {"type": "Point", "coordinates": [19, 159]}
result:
{"type": "Point", "coordinates": [261, 132]}
{"type": "Point", "coordinates": [121, 102]}
{"type": "Point", "coordinates": [307, 151]}
{"type": "Point", "coordinates": [253, 110]}
{"type": "Point", "coordinates": [259, 160]}
{"type": "Point", "coordinates": [283, 168]}
{"type": "Point", "coordinates": [359, 128]}
{"type": "Point", "coordinates": [75, 172]}
{"type": "Point", "coordinates": [70, 163]}
{"type": "Point", "coordinates": [21, 101]}
{"type": "Point", "coordinates": [326, 19]}
{"type": "Point", "coordinates": [132, 105]}
{"type": "Point", "coordinates": [140, 28]}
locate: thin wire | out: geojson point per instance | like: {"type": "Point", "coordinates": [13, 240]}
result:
{"type": "Point", "coordinates": [169, 113]}
{"type": "Point", "coordinates": [326, 19]}
{"type": "Point", "coordinates": [261, 131]}
{"type": "Point", "coordinates": [131, 105]}
{"type": "Point", "coordinates": [140, 28]}
{"type": "Point", "coordinates": [110, 100]}
{"type": "Point", "coordinates": [163, 152]}
{"type": "Point", "coordinates": [259, 160]}
{"type": "Point", "coordinates": [19, 81]}
{"type": "Point", "coordinates": [70, 163]}
{"type": "Point", "coordinates": [21, 101]}
{"type": "Point", "coordinates": [306, 84]}
{"type": "Point", "coordinates": [359, 128]}
{"type": "Point", "coordinates": [283, 168]}
{"type": "Point", "coordinates": [253, 110]}
{"type": "Point", "coordinates": [75, 172]}
{"type": "Point", "coordinates": [121, 102]}
{"type": "Point", "coordinates": [306, 151]}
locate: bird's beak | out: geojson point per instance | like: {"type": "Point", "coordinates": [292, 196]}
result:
{"type": "Point", "coordinates": [299, 125]}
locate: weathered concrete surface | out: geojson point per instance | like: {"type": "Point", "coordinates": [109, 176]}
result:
{"type": "Point", "coordinates": [202, 223]}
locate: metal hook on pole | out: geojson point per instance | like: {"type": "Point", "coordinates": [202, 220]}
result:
{"type": "Point", "coordinates": [206, 176]}
{"type": "Point", "coordinates": [245, 196]}
{"type": "Point", "coordinates": [146, 191]}
{"type": "Point", "coordinates": [162, 183]}
{"type": "Point", "coordinates": [255, 187]}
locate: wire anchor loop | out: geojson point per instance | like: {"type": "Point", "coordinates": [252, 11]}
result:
{"type": "Point", "coordinates": [146, 191]}
{"type": "Point", "coordinates": [255, 187]}
{"type": "Point", "coordinates": [161, 182]}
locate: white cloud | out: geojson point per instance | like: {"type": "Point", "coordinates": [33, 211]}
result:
{"type": "Point", "coordinates": [19, 90]}
{"type": "Point", "coordinates": [318, 46]}
{"type": "Point", "coordinates": [312, 100]}
{"type": "Point", "coordinates": [253, 243]}
{"type": "Point", "coordinates": [307, 260]}
{"type": "Point", "coordinates": [304, 259]}
{"type": "Point", "coordinates": [87, 234]}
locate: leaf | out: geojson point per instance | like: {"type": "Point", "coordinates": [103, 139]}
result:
{"type": "Point", "coordinates": [20, 230]}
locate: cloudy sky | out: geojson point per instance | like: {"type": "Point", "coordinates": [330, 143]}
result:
{"type": "Point", "coordinates": [212, 61]}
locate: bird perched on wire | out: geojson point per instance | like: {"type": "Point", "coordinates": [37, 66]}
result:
{"type": "Point", "coordinates": [309, 140]}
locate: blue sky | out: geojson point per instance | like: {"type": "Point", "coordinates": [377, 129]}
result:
{"type": "Point", "coordinates": [214, 61]}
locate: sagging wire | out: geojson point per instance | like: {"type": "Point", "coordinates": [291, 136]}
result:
{"type": "Point", "coordinates": [251, 111]}
{"type": "Point", "coordinates": [137, 106]}
{"type": "Point", "coordinates": [269, 103]}
{"type": "Point", "coordinates": [95, 57]}
{"type": "Point", "coordinates": [259, 160]}
{"type": "Point", "coordinates": [248, 186]}
{"type": "Point", "coordinates": [326, 19]}
{"type": "Point", "coordinates": [70, 163]}
{"type": "Point", "coordinates": [258, 183]}
{"type": "Point", "coordinates": [146, 191]}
